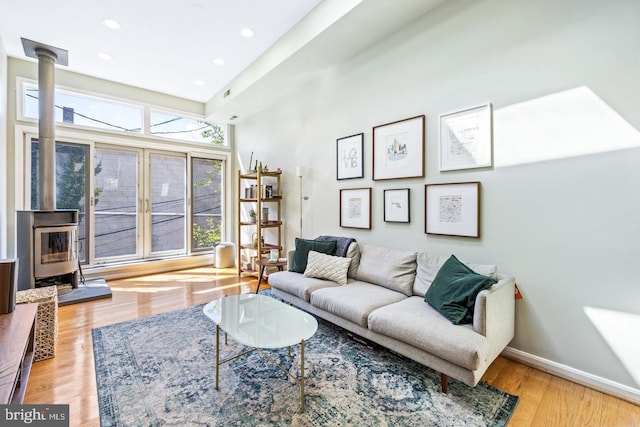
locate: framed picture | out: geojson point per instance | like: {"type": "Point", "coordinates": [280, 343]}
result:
{"type": "Point", "coordinates": [355, 208]}
{"type": "Point", "coordinates": [452, 209]}
{"type": "Point", "coordinates": [396, 205]}
{"type": "Point", "coordinates": [398, 149]}
{"type": "Point", "coordinates": [349, 161]}
{"type": "Point", "coordinates": [466, 139]}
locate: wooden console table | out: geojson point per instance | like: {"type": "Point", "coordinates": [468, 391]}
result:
{"type": "Point", "coordinates": [17, 334]}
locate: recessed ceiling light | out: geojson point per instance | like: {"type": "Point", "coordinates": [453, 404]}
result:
{"type": "Point", "coordinates": [111, 23]}
{"type": "Point", "coordinates": [218, 61]}
{"type": "Point", "coordinates": [104, 56]}
{"type": "Point", "coordinates": [247, 32]}
{"type": "Point", "coordinates": [198, 83]}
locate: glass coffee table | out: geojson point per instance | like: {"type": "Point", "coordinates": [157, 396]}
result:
{"type": "Point", "coordinates": [261, 322]}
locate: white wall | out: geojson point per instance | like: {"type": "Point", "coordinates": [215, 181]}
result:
{"type": "Point", "coordinates": [559, 207]}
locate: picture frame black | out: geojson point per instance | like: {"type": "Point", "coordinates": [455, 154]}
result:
{"type": "Point", "coordinates": [349, 157]}
{"type": "Point", "coordinates": [397, 205]}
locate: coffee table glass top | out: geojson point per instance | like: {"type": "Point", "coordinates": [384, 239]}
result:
{"type": "Point", "coordinates": [261, 321]}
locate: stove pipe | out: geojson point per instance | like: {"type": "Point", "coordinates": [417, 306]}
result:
{"type": "Point", "coordinates": [47, 57]}
{"type": "Point", "coordinates": [46, 128]}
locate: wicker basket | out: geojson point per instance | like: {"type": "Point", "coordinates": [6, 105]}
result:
{"type": "Point", "coordinates": [46, 320]}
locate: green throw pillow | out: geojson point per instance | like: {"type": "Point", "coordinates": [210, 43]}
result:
{"type": "Point", "coordinates": [453, 291]}
{"type": "Point", "coordinates": [303, 247]}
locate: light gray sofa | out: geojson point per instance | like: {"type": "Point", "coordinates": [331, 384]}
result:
{"type": "Point", "coordinates": [383, 301]}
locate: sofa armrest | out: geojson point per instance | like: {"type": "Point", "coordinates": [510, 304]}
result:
{"type": "Point", "coordinates": [290, 256]}
{"type": "Point", "coordinates": [494, 313]}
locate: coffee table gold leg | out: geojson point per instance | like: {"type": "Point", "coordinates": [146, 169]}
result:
{"type": "Point", "coordinates": [217, 352]}
{"type": "Point", "coordinates": [302, 376]}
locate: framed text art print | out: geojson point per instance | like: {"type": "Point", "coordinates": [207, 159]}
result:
{"type": "Point", "coordinates": [466, 139]}
{"type": "Point", "coordinates": [398, 149]}
{"type": "Point", "coordinates": [355, 208]}
{"type": "Point", "coordinates": [349, 157]}
{"type": "Point", "coordinates": [452, 209]}
{"type": "Point", "coordinates": [396, 205]}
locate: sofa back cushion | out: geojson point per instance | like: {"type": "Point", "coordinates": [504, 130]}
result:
{"type": "Point", "coordinates": [429, 265]}
{"type": "Point", "coordinates": [391, 268]}
{"type": "Point", "coordinates": [353, 252]}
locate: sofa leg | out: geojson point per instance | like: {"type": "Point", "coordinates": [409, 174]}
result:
{"type": "Point", "coordinates": [444, 383]}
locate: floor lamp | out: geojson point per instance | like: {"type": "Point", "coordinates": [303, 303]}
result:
{"type": "Point", "coordinates": [299, 173]}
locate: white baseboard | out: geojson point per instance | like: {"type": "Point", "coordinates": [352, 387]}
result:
{"type": "Point", "coordinates": [586, 379]}
{"type": "Point", "coordinates": [125, 270]}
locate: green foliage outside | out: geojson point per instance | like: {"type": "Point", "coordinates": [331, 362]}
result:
{"type": "Point", "coordinates": [209, 236]}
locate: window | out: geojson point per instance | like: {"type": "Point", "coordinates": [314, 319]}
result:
{"type": "Point", "coordinates": [116, 177]}
{"type": "Point", "coordinates": [141, 189]}
{"type": "Point", "coordinates": [206, 193]}
{"type": "Point", "coordinates": [82, 110]}
{"type": "Point", "coordinates": [130, 209]}
{"type": "Point", "coordinates": [71, 184]}
{"type": "Point", "coordinates": [180, 127]}
{"type": "Point", "coordinates": [90, 111]}
{"type": "Point", "coordinates": [168, 202]}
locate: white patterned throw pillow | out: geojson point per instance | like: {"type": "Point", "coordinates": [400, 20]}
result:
{"type": "Point", "coordinates": [322, 266]}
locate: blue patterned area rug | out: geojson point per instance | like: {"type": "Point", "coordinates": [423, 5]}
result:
{"type": "Point", "coordinates": [160, 371]}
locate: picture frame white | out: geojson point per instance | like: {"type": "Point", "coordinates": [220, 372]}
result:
{"type": "Point", "coordinates": [452, 209]}
{"type": "Point", "coordinates": [466, 138]}
{"type": "Point", "coordinates": [355, 208]}
{"type": "Point", "coordinates": [349, 157]}
{"type": "Point", "coordinates": [398, 149]}
{"type": "Point", "coordinates": [397, 205]}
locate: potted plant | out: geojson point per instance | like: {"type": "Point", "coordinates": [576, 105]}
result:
{"type": "Point", "coordinates": [252, 215]}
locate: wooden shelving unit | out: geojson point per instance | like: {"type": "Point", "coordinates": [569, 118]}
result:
{"type": "Point", "coordinates": [258, 190]}
{"type": "Point", "coordinates": [17, 335]}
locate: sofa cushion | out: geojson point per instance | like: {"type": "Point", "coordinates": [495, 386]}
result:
{"type": "Point", "coordinates": [428, 266]}
{"type": "Point", "coordinates": [355, 301]}
{"type": "Point", "coordinates": [298, 285]}
{"type": "Point", "coordinates": [453, 291]}
{"type": "Point", "coordinates": [418, 324]}
{"type": "Point", "coordinates": [303, 246]}
{"type": "Point", "coordinates": [353, 252]}
{"type": "Point", "coordinates": [391, 268]}
{"type": "Point", "coordinates": [322, 266]}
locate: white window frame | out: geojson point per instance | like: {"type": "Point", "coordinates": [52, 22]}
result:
{"type": "Point", "coordinates": [25, 133]}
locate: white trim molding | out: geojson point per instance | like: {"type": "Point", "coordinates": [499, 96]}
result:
{"type": "Point", "coordinates": [586, 379]}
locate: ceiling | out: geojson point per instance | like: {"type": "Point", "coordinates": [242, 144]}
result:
{"type": "Point", "coordinates": [168, 46]}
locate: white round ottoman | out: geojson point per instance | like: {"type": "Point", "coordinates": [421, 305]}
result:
{"type": "Point", "coordinates": [225, 255]}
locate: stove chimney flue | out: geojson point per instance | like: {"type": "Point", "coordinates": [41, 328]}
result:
{"type": "Point", "coordinates": [47, 57]}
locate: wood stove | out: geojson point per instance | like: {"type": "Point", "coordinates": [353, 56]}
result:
{"type": "Point", "coordinates": [47, 248]}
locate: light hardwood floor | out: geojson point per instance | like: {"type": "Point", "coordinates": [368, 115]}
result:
{"type": "Point", "coordinates": [69, 378]}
